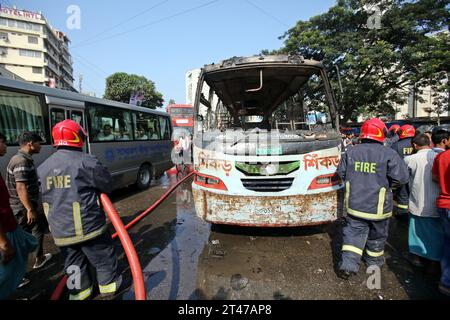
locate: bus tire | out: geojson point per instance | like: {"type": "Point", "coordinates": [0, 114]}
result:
{"type": "Point", "coordinates": [144, 177]}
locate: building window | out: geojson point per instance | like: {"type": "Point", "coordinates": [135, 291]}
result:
{"type": "Point", "coordinates": [37, 70]}
{"type": "Point", "coordinates": [33, 40]}
{"type": "Point", "coordinates": [30, 53]}
{"type": "Point", "coordinates": [3, 51]}
{"type": "Point", "coordinates": [4, 35]}
{"type": "Point", "coordinates": [20, 24]}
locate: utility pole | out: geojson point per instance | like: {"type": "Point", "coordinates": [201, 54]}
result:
{"type": "Point", "coordinates": [80, 83]}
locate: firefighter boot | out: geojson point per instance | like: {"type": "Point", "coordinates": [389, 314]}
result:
{"type": "Point", "coordinates": [110, 289]}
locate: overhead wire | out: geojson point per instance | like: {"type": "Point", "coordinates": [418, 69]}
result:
{"type": "Point", "coordinates": [150, 24]}
{"type": "Point", "coordinates": [121, 23]}
{"type": "Point", "coordinates": [266, 13]}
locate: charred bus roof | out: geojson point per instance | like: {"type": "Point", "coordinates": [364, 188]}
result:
{"type": "Point", "coordinates": [261, 61]}
{"type": "Point", "coordinates": [259, 83]}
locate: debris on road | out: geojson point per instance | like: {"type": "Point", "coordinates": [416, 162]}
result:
{"type": "Point", "coordinates": [238, 282]}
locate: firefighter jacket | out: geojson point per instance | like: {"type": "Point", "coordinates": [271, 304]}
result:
{"type": "Point", "coordinates": [388, 142]}
{"type": "Point", "coordinates": [70, 182]}
{"type": "Point", "coordinates": [370, 171]}
{"type": "Point", "coordinates": [403, 147]}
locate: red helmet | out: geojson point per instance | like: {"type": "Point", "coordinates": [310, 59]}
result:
{"type": "Point", "coordinates": [407, 131]}
{"type": "Point", "coordinates": [394, 128]}
{"type": "Point", "coordinates": [373, 129]}
{"type": "Point", "coordinates": [68, 133]}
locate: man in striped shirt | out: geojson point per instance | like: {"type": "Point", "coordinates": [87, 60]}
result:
{"type": "Point", "coordinates": [23, 186]}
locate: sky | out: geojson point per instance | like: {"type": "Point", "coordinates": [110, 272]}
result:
{"type": "Point", "coordinates": [163, 39]}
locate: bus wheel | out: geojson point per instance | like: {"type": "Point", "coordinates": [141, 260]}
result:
{"type": "Point", "coordinates": [144, 177]}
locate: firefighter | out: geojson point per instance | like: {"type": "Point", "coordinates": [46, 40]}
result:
{"type": "Point", "coordinates": [404, 148]}
{"type": "Point", "coordinates": [392, 135]}
{"type": "Point", "coordinates": [71, 180]}
{"type": "Point", "coordinates": [369, 171]}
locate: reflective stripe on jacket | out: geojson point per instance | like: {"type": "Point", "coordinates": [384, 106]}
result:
{"type": "Point", "coordinates": [370, 171]}
{"type": "Point", "coordinates": [70, 182]}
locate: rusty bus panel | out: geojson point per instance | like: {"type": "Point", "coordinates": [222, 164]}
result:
{"type": "Point", "coordinates": [268, 211]}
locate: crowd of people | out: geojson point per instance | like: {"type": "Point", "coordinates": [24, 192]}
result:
{"type": "Point", "coordinates": [398, 171]}
{"type": "Point", "coordinates": [35, 201]}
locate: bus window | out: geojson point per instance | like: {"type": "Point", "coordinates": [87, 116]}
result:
{"type": "Point", "coordinates": [165, 128]}
{"type": "Point", "coordinates": [147, 127]}
{"type": "Point", "coordinates": [56, 115]}
{"type": "Point", "coordinates": [77, 116]}
{"type": "Point", "coordinates": [108, 124]}
{"type": "Point", "coordinates": [20, 112]}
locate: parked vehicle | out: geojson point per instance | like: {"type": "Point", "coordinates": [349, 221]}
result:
{"type": "Point", "coordinates": [266, 143]}
{"type": "Point", "coordinates": [134, 143]}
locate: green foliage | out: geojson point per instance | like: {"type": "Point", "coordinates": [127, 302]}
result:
{"type": "Point", "coordinates": [377, 66]}
{"type": "Point", "coordinates": [120, 86]}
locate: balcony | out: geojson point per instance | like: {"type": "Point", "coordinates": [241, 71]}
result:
{"type": "Point", "coordinates": [67, 58]}
{"type": "Point", "coordinates": [52, 66]}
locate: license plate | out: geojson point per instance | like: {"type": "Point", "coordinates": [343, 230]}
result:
{"type": "Point", "coordinates": [268, 151]}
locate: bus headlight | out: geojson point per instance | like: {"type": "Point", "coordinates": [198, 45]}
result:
{"type": "Point", "coordinates": [207, 181]}
{"type": "Point", "coordinates": [325, 181]}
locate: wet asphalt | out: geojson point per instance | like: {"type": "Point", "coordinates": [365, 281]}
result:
{"type": "Point", "coordinates": [185, 258]}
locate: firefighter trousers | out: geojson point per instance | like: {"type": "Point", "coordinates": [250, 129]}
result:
{"type": "Point", "coordinates": [363, 239]}
{"type": "Point", "coordinates": [80, 259]}
{"type": "Point", "coordinates": [401, 200]}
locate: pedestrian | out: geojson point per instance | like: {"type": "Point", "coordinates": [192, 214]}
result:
{"type": "Point", "coordinates": [441, 174]}
{"type": "Point", "coordinates": [369, 171]}
{"type": "Point", "coordinates": [425, 230]}
{"type": "Point", "coordinates": [441, 139]}
{"type": "Point", "coordinates": [428, 130]}
{"type": "Point", "coordinates": [15, 244]}
{"type": "Point", "coordinates": [71, 182]}
{"type": "Point", "coordinates": [404, 148]}
{"type": "Point", "coordinates": [23, 187]}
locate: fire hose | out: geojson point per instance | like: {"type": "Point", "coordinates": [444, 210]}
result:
{"type": "Point", "coordinates": [128, 247]}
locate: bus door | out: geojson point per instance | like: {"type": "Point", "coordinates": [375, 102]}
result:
{"type": "Point", "coordinates": [59, 113]}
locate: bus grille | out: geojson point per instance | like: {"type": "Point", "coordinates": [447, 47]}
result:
{"type": "Point", "coordinates": [267, 185]}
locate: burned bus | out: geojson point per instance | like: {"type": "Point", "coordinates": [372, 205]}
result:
{"type": "Point", "coordinates": [266, 143]}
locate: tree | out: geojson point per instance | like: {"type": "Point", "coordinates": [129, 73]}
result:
{"type": "Point", "coordinates": [120, 86]}
{"type": "Point", "coordinates": [378, 66]}
{"type": "Point", "coordinates": [172, 101]}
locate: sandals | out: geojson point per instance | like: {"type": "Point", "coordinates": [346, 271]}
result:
{"type": "Point", "coordinates": [47, 257]}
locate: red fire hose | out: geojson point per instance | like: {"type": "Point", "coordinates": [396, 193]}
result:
{"type": "Point", "coordinates": [128, 247]}
{"type": "Point", "coordinates": [130, 251]}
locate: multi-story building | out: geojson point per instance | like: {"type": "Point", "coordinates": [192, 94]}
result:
{"type": "Point", "coordinates": [32, 49]}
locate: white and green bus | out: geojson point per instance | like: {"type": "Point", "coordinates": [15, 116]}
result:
{"type": "Point", "coordinates": [134, 143]}
{"type": "Point", "coordinates": [266, 143]}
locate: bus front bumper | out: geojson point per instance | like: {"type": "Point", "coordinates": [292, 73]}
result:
{"type": "Point", "coordinates": [268, 211]}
